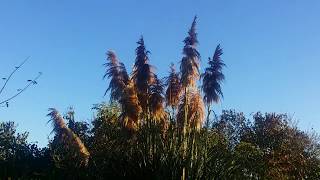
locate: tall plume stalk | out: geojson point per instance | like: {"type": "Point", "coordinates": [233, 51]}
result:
{"type": "Point", "coordinates": [173, 91]}
{"type": "Point", "coordinates": [189, 66]}
{"type": "Point", "coordinates": [211, 85]}
{"type": "Point", "coordinates": [212, 79]}
{"type": "Point", "coordinates": [189, 69]}
{"type": "Point", "coordinates": [122, 90]}
{"type": "Point", "coordinates": [68, 137]}
{"type": "Point", "coordinates": [143, 76]}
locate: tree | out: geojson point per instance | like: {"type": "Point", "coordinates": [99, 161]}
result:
{"type": "Point", "coordinates": [18, 157]}
{"type": "Point", "coordinates": [80, 128]}
{"type": "Point", "coordinates": [287, 151]}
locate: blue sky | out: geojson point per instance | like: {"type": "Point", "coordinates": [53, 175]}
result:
{"type": "Point", "coordinates": [271, 49]}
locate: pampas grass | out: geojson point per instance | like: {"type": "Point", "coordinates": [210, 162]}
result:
{"type": "Point", "coordinates": [67, 137]}
{"type": "Point", "coordinates": [190, 63]}
{"type": "Point", "coordinates": [213, 77]}
{"type": "Point", "coordinates": [118, 75]}
{"type": "Point", "coordinates": [174, 88]}
{"type": "Point", "coordinates": [195, 110]}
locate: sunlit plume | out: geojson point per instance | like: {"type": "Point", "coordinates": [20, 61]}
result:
{"type": "Point", "coordinates": [142, 74]}
{"type": "Point", "coordinates": [174, 88]}
{"type": "Point", "coordinates": [130, 107]}
{"type": "Point", "coordinates": [195, 110]}
{"type": "Point", "coordinates": [67, 137]}
{"type": "Point", "coordinates": [190, 63]}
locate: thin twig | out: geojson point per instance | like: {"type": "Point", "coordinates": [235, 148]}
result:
{"type": "Point", "coordinates": [15, 70]}
{"type": "Point", "coordinates": [22, 90]}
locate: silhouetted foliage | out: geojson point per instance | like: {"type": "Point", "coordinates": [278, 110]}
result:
{"type": "Point", "coordinates": [265, 147]}
{"type": "Point", "coordinates": [20, 159]}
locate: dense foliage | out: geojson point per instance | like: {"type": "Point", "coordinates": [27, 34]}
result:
{"type": "Point", "coordinates": [163, 129]}
{"type": "Point", "coordinates": [267, 146]}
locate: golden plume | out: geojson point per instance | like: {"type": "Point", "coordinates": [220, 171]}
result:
{"type": "Point", "coordinates": [156, 103]}
{"type": "Point", "coordinates": [173, 91]}
{"type": "Point", "coordinates": [195, 113]}
{"type": "Point", "coordinates": [123, 90]}
{"type": "Point", "coordinates": [130, 107]}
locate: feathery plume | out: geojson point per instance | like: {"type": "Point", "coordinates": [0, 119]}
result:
{"type": "Point", "coordinates": [173, 91]}
{"type": "Point", "coordinates": [68, 137]}
{"type": "Point", "coordinates": [190, 63]}
{"type": "Point", "coordinates": [195, 113]}
{"type": "Point", "coordinates": [142, 75]}
{"type": "Point", "coordinates": [118, 74]}
{"type": "Point", "coordinates": [130, 107]}
{"type": "Point", "coordinates": [157, 101]}
{"type": "Point", "coordinates": [212, 78]}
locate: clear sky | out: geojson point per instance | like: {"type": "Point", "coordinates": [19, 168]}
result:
{"type": "Point", "coordinates": [271, 48]}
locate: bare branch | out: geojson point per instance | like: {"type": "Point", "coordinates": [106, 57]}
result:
{"type": "Point", "coordinates": [15, 70]}
{"type": "Point", "coordinates": [32, 82]}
